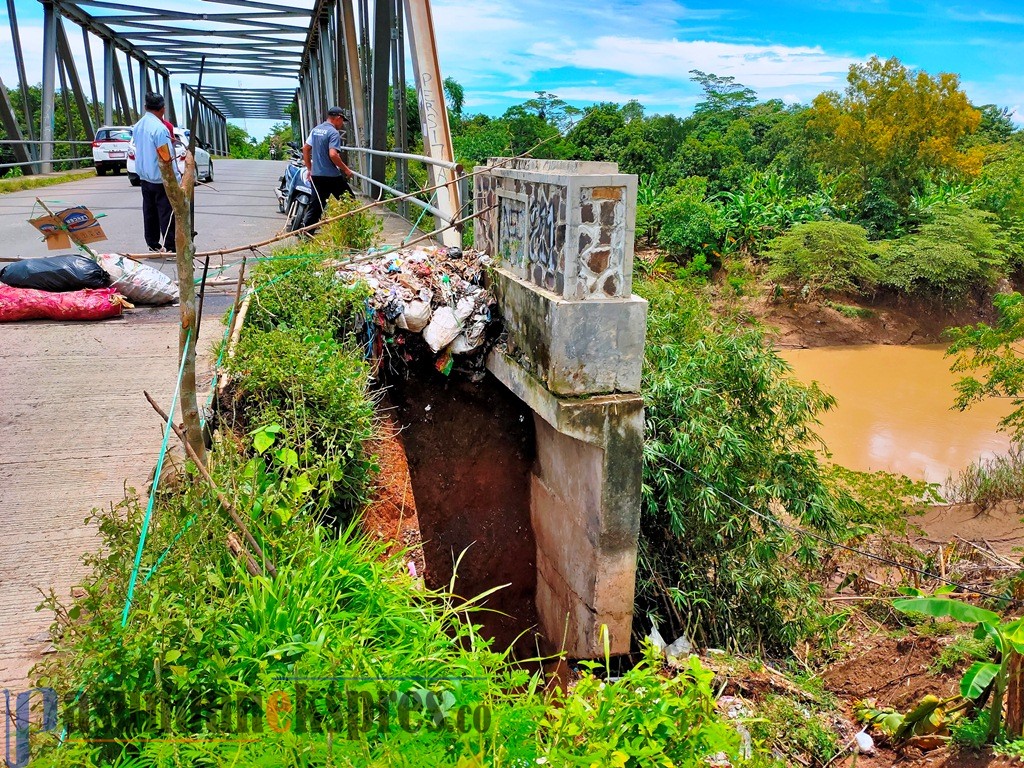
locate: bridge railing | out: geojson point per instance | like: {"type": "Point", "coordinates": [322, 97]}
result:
{"type": "Point", "coordinates": [460, 181]}
{"type": "Point", "coordinates": [27, 144]}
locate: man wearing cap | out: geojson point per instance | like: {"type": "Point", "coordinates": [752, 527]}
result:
{"type": "Point", "coordinates": [148, 134]}
{"type": "Point", "coordinates": [327, 169]}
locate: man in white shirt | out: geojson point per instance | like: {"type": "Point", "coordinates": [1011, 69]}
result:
{"type": "Point", "coordinates": [148, 134]}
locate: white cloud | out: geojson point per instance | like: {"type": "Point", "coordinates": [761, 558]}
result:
{"type": "Point", "coordinates": [591, 94]}
{"type": "Point", "coordinates": [758, 66]}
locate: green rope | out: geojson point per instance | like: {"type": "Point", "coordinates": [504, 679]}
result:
{"type": "Point", "coordinates": [156, 481]}
{"type": "Point", "coordinates": [423, 212]}
{"type": "Point", "coordinates": [188, 524]}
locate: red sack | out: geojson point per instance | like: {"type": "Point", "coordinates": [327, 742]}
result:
{"type": "Point", "coordinates": [30, 304]}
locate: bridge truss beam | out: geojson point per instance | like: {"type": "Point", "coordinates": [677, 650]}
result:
{"type": "Point", "coordinates": [341, 66]}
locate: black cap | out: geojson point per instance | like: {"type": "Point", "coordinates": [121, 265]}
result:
{"type": "Point", "coordinates": [154, 101]}
{"type": "Point", "coordinates": [335, 112]}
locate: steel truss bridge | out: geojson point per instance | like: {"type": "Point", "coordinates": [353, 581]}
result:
{"type": "Point", "coordinates": [351, 53]}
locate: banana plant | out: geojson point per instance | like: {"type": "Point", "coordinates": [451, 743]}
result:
{"type": "Point", "coordinates": [1008, 637]}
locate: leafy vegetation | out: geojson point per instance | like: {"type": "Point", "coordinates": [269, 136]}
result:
{"type": "Point", "coordinates": [729, 456]}
{"type": "Point", "coordinates": [341, 657]}
{"type": "Point", "coordinates": [1006, 635]}
{"type": "Point", "coordinates": [824, 257]}
{"type": "Point", "coordinates": [954, 251]}
{"type": "Point", "coordinates": [992, 352]}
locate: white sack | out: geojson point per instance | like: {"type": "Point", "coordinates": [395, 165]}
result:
{"type": "Point", "coordinates": [442, 329]}
{"type": "Point", "coordinates": [415, 317]}
{"type": "Point", "coordinates": [140, 283]}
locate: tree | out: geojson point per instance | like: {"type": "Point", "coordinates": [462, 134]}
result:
{"type": "Point", "coordinates": [240, 143]}
{"type": "Point", "coordinates": [892, 129]}
{"type": "Point", "coordinates": [994, 354]}
{"type": "Point", "coordinates": [552, 109]}
{"type": "Point", "coordinates": [722, 94]}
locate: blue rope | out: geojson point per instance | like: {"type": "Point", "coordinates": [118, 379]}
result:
{"type": "Point", "coordinates": [156, 481]}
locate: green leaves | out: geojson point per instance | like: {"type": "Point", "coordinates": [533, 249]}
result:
{"type": "Point", "coordinates": [720, 404]}
{"type": "Point", "coordinates": [977, 678]}
{"type": "Point", "coordinates": [943, 607]}
{"type": "Point", "coordinates": [264, 437]}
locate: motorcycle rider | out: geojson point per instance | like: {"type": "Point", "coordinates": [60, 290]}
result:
{"type": "Point", "coordinates": [322, 156]}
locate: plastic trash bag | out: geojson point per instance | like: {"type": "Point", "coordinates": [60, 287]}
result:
{"type": "Point", "coordinates": [55, 273]}
{"type": "Point", "coordinates": [141, 283]}
{"type": "Point", "coordinates": [30, 304]}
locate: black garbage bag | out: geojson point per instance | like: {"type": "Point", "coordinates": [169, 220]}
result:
{"type": "Point", "coordinates": [55, 273]}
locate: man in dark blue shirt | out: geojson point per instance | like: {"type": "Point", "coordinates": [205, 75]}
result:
{"type": "Point", "coordinates": [327, 169]}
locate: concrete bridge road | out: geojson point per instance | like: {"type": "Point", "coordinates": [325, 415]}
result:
{"type": "Point", "coordinates": [75, 428]}
{"type": "Point", "coordinates": [238, 207]}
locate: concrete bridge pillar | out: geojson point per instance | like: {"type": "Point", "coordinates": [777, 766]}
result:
{"type": "Point", "coordinates": [561, 234]}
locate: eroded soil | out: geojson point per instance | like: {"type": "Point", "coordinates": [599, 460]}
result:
{"type": "Point", "coordinates": [470, 448]}
{"type": "Point", "coordinates": [886, 319]}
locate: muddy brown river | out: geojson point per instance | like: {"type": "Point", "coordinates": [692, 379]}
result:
{"type": "Point", "coordinates": [894, 410]}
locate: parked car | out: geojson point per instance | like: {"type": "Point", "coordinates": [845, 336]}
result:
{"type": "Point", "coordinates": [110, 148]}
{"type": "Point", "coordinates": [204, 163]}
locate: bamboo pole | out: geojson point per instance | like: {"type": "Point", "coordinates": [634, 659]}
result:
{"type": "Point", "coordinates": [220, 496]}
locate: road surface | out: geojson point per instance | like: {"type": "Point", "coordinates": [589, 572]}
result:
{"type": "Point", "coordinates": [237, 208]}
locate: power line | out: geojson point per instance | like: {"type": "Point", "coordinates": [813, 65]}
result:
{"type": "Point", "coordinates": [836, 544]}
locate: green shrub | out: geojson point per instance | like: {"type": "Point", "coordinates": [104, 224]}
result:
{"type": "Point", "coordinates": [300, 292]}
{"type": "Point", "coordinates": [316, 390]}
{"type": "Point", "coordinates": [356, 232]}
{"type": "Point", "coordinates": [720, 404]}
{"type": "Point", "coordinates": [642, 719]}
{"type": "Point", "coordinates": [688, 224]}
{"type": "Point", "coordinates": [824, 257]}
{"type": "Point", "coordinates": [957, 250]}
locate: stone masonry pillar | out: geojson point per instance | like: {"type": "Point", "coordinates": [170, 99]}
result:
{"type": "Point", "coordinates": [561, 236]}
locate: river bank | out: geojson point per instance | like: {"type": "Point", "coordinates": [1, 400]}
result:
{"type": "Point", "coordinates": [883, 319]}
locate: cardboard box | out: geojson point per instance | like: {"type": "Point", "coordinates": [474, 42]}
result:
{"type": "Point", "coordinates": [77, 224]}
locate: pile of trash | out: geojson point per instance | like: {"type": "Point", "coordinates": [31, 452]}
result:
{"type": "Point", "coordinates": [76, 287]}
{"type": "Point", "coordinates": [434, 292]}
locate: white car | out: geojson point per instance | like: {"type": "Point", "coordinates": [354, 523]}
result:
{"type": "Point", "coordinates": [110, 148]}
{"type": "Point", "coordinates": [204, 163]}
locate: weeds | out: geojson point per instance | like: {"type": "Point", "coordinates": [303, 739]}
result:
{"type": "Point", "coordinates": [989, 481]}
{"type": "Point", "coordinates": [962, 649]}
{"type": "Point", "coordinates": [795, 729]}
{"type": "Point", "coordinates": [850, 311]}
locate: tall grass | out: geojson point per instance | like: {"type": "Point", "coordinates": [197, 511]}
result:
{"type": "Point", "coordinates": [988, 481]}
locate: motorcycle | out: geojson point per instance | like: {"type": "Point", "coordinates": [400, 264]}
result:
{"type": "Point", "coordinates": [294, 192]}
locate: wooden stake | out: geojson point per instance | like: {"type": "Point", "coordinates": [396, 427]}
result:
{"type": "Point", "coordinates": [179, 195]}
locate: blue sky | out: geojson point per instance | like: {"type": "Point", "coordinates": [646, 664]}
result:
{"type": "Point", "coordinates": [615, 50]}
{"type": "Point", "coordinates": [790, 49]}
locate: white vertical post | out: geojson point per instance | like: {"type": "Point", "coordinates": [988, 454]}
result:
{"type": "Point", "coordinates": [437, 136]}
{"type": "Point", "coordinates": [49, 87]}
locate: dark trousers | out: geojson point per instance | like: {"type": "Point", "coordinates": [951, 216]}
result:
{"type": "Point", "coordinates": [157, 216]}
{"type": "Point", "coordinates": [324, 188]}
